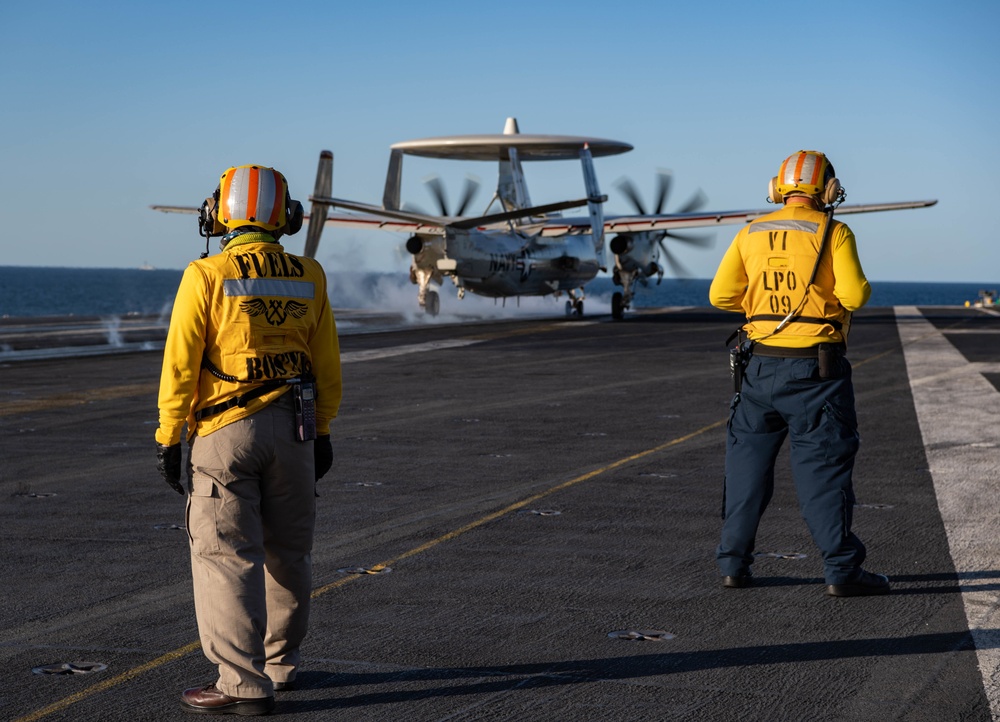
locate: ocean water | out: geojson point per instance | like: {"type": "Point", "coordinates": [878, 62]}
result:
{"type": "Point", "coordinates": [35, 291]}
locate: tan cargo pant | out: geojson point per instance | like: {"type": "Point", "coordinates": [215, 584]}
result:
{"type": "Point", "coordinates": [250, 520]}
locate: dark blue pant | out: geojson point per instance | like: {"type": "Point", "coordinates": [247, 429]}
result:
{"type": "Point", "coordinates": [785, 397]}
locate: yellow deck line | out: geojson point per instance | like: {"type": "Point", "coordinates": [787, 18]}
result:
{"type": "Point", "coordinates": [454, 534]}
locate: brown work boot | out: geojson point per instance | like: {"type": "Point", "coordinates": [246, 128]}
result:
{"type": "Point", "coordinates": [210, 700]}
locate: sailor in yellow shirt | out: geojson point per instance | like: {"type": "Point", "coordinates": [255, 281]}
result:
{"type": "Point", "coordinates": [796, 277]}
{"type": "Point", "coordinates": [252, 367]}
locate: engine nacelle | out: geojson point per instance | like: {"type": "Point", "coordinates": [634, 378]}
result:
{"type": "Point", "coordinates": [414, 244]}
{"type": "Point", "coordinates": [620, 244]}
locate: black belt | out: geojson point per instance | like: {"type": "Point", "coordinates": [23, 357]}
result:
{"type": "Point", "coordinates": [835, 324]}
{"type": "Point", "coordinates": [242, 399]}
{"type": "Point", "coordinates": [760, 349]}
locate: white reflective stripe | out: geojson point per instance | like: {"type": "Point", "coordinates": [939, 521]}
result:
{"type": "Point", "coordinates": [808, 169]}
{"type": "Point", "coordinates": [239, 194]}
{"type": "Point", "coordinates": [269, 287]}
{"type": "Point", "coordinates": [237, 203]}
{"type": "Point", "coordinates": [265, 195]}
{"type": "Point", "coordinates": [810, 173]}
{"type": "Point", "coordinates": [789, 225]}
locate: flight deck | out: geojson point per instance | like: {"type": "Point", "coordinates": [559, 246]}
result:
{"type": "Point", "coordinates": [520, 524]}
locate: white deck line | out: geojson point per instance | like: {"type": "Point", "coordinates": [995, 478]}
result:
{"type": "Point", "coordinates": [957, 410]}
{"type": "Point", "coordinates": [376, 353]}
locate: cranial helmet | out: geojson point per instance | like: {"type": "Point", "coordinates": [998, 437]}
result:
{"type": "Point", "coordinates": [809, 172]}
{"type": "Point", "coordinates": [252, 195]}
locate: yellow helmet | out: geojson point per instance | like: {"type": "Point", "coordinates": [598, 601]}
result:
{"type": "Point", "coordinates": [253, 195]}
{"type": "Point", "coordinates": [809, 172]}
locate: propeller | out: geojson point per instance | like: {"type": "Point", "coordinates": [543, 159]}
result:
{"type": "Point", "coordinates": [695, 203]}
{"type": "Point", "coordinates": [436, 189]}
{"type": "Point", "coordinates": [679, 269]}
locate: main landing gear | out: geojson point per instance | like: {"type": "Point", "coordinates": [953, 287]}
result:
{"type": "Point", "coordinates": [617, 306]}
{"type": "Point", "coordinates": [574, 306]}
{"type": "Point", "coordinates": [621, 300]}
{"type": "Point", "coordinates": [432, 303]}
{"type": "Point", "coordinates": [427, 294]}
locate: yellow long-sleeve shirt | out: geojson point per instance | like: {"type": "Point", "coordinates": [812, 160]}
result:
{"type": "Point", "coordinates": [766, 269]}
{"type": "Point", "coordinates": [257, 314]}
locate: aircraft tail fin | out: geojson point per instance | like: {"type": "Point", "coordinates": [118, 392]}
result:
{"type": "Point", "coordinates": [594, 203]}
{"type": "Point", "coordinates": [393, 181]}
{"type": "Point", "coordinates": [511, 186]}
{"type": "Point", "coordinates": [318, 211]}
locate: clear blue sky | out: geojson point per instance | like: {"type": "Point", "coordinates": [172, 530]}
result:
{"type": "Point", "coordinates": [108, 107]}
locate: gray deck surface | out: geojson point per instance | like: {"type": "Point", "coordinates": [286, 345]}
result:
{"type": "Point", "coordinates": [534, 486]}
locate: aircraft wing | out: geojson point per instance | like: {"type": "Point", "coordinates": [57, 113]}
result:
{"type": "Point", "coordinates": [872, 207]}
{"type": "Point", "coordinates": [376, 218]}
{"type": "Point", "coordinates": [377, 223]}
{"type": "Point", "coordinates": [398, 220]}
{"type": "Point", "coordinates": [346, 220]}
{"type": "Point", "coordinates": [669, 221]}
{"type": "Point", "coordinates": [176, 209]}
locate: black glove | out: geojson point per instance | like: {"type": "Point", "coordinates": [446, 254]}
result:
{"type": "Point", "coordinates": [323, 455]}
{"type": "Point", "coordinates": [168, 463]}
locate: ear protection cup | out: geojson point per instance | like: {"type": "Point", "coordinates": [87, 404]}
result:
{"type": "Point", "coordinates": [208, 217]}
{"type": "Point", "coordinates": [833, 192]}
{"type": "Point", "coordinates": [294, 212]}
{"type": "Point", "coordinates": [773, 196]}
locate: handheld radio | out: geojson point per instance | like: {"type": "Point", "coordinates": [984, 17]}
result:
{"type": "Point", "coordinates": [304, 394]}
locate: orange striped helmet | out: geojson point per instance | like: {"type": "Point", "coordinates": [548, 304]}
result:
{"type": "Point", "coordinates": [804, 172]}
{"type": "Point", "coordinates": [253, 195]}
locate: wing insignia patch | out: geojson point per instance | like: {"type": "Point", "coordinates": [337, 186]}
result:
{"type": "Point", "coordinates": [275, 311]}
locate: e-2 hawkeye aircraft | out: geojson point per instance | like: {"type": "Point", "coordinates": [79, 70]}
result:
{"type": "Point", "coordinates": [520, 249]}
{"type": "Point", "coordinates": [526, 250]}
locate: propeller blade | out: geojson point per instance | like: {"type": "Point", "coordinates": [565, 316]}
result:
{"type": "Point", "coordinates": [663, 179]}
{"type": "Point", "coordinates": [697, 202]}
{"type": "Point", "coordinates": [626, 187]}
{"type": "Point", "coordinates": [469, 192]}
{"type": "Point", "coordinates": [678, 268]}
{"type": "Point", "coordinates": [436, 188]}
